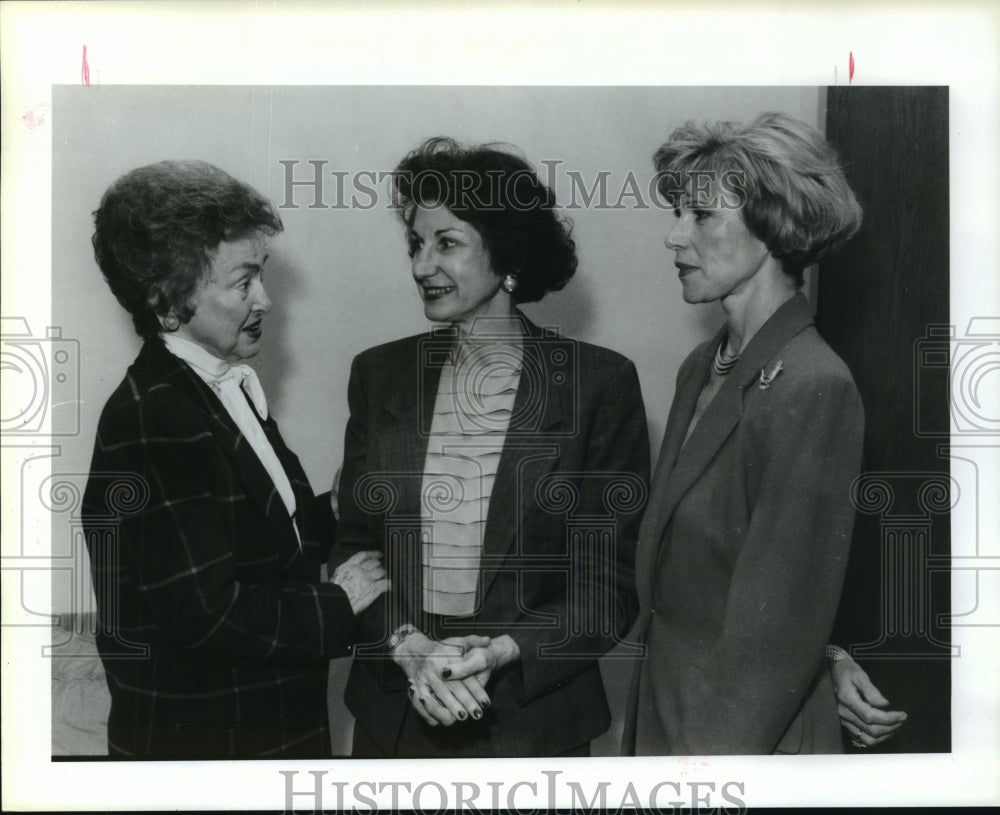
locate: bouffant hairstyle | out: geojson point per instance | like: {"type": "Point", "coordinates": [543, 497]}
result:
{"type": "Point", "coordinates": [501, 196]}
{"type": "Point", "coordinates": [781, 173]}
{"type": "Point", "coordinates": [157, 228]}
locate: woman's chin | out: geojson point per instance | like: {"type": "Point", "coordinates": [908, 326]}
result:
{"type": "Point", "coordinates": [436, 314]}
{"type": "Point", "coordinates": [247, 349]}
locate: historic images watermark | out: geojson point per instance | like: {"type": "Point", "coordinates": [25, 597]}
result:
{"type": "Point", "coordinates": [315, 184]}
{"type": "Point", "coordinates": [41, 380]}
{"type": "Point", "coordinates": [906, 503]}
{"type": "Point", "coordinates": [543, 791]}
{"type": "Point", "coordinates": [40, 374]}
{"type": "Point", "coordinates": [41, 387]}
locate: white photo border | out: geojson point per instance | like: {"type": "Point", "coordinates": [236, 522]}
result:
{"type": "Point", "coordinates": [585, 43]}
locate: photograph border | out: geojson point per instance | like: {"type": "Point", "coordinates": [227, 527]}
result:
{"type": "Point", "coordinates": [274, 44]}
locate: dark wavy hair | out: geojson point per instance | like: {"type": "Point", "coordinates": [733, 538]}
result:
{"type": "Point", "coordinates": [785, 178]}
{"type": "Point", "coordinates": [158, 226]}
{"type": "Point", "coordinates": [501, 196]}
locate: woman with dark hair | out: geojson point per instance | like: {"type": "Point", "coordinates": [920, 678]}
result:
{"type": "Point", "coordinates": [745, 541]}
{"type": "Point", "coordinates": [502, 469]}
{"type": "Point", "coordinates": [205, 538]}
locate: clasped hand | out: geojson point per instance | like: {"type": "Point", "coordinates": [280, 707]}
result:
{"type": "Point", "coordinates": [362, 577]}
{"type": "Point", "coordinates": [448, 678]}
{"type": "Point", "coordinates": [863, 709]}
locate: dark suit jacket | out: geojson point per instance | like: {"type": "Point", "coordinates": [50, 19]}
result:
{"type": "Point", "coordinates": [743, 549]}
{"type": "Point", "coordinates": [557, 566]}
{"type": "Point", "coordinates": [215, 631]}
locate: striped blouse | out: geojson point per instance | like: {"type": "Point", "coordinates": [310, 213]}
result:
{"type": "Point", "coordinates": [472, 412]}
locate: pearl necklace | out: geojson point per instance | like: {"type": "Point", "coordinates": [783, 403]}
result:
{"type": "Point", "coordinates": [723, 363]}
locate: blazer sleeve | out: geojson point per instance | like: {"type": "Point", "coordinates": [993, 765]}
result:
{"type": "Point", "coordinates": [355, 528]}
{"type": "Point", "coordinates": [358, 529]}
{"type": "Point", "coordinates": [599, 614]}
{"type": "Point", "coordinates": [179, 547]}
{"type": "Point", "coordinates": [740, 696]}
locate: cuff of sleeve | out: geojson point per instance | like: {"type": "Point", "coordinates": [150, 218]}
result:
{"type": "Point", "coordinates": [400, 634]}
{"type": "Point", "coordinates": [338, 624]}
{"type": "Point", "coordinates": [834, 653]}
{"type": "Point", "coordinates": [538, 676]}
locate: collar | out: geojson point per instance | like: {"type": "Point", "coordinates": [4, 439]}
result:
{"type": "Point", "coordinates": [208, 366]}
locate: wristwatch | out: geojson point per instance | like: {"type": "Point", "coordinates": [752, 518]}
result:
{"type": "Point", "coordinates": [400, 634]}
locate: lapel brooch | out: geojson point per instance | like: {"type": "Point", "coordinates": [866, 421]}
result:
{"type": "Point", "coordinates": [767, 378]}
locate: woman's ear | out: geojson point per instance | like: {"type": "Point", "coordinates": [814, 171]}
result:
{"type": "Point", "coordinates": [168, 321]}
{"type": "Point", "coordinates": [510, 281]}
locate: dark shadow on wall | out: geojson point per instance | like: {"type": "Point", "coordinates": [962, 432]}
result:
{"type": "Point", "coordinates": [879, 304]}
{"type": "Point", "coordinates": [571, 310]}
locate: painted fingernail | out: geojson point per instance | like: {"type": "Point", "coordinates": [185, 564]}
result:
{"type": "Point", "coordinates": [462, 715]}
{"type": "Point", "coordinates": [485, 702]}
{"type": "Point", "coordinates": [446, 673]}
{"type": "Point", "coordinates": [477, 714]}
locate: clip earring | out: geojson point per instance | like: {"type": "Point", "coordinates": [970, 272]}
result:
{"type": "Point", "coordinates": [509, 284]}
{"type": "Point", "coordinates": [171, 323]}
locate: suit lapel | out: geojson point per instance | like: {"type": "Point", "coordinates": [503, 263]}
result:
{"type": "Point", "coordinates": [164, 366]}
{"type": "Point", "coordinates": [401, 443]}
{"type": "Point", "coordinates": [409, 409]}
{"type": "Point", "coordinates": [686, 462]}
{"type": "Point", "coordinates": [525, 459]}
{"type": "Point", "coordinates": [301, 487]}
{"type": "Point", "coordinates": [657, 514]}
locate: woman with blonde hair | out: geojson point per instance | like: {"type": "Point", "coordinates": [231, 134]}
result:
{"type": "Point", "coordinates": [746, 537]}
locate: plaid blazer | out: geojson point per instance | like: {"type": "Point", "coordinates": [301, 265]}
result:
{"type": "Point", "coordinates": [556, 571]}
{"type": "Point", "coordinates": [214, 628]}
{"type": "Point", "coordinates": [743, 549]}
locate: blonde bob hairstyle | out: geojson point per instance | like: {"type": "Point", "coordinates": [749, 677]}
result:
{"type": "Point", "coordinates": [780, 172]}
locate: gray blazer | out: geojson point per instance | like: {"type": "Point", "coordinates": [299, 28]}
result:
{"type": "Point", "coordinates": [743, 549]}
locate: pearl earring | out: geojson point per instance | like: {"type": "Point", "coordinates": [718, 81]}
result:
{"type": "Point", "coordinates": [171, 323]}
{"type": "Point", "coordinates": [509, 284]}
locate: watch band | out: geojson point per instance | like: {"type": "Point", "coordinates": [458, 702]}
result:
{"type": "Point", "coordinates": [834, 653]}
{"type": "Point", "coordinates": [400, 634]}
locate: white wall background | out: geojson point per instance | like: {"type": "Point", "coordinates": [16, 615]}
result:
{"type": "Point", "coordinates": [339, 278]}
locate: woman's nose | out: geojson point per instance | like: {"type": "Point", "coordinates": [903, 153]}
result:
{"type": "Point", "coordinates": [422, 264]}
{"type": "Point", "coordinates": [262, 301]}
{"type": "Point", "coordinates": [678, 234]}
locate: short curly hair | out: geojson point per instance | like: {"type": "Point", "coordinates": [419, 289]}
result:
{"type": "Point", "coordinates": [158, 226]}
{"type": "Point", "coordinates": [793, 195]}
{"type": "Point", "coordinates": [501, 196]}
